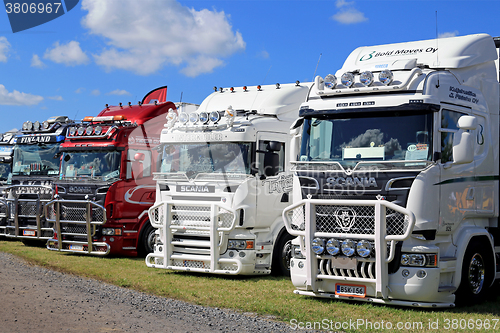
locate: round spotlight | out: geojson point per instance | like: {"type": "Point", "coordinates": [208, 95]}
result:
{"type": "Point", "coordinates": [330, 81]}
{"type": "Point", "coordinates": [46, 124]}
{"type": "Point", "coordinates": [72, 131]}
{"type": "Point", "coordinates": [80, 130]}
{"type": "Point", "coordinates": [347, 79]}
{"type": "Point", "coordinates": [214, 116]}
{"type": "Point", "coordinates": [37, 125]}
{"type": "Point", "coordinates": [26, 125]}
{"type": "Point", "coordinates": [366, 78]}
{"type": "Point", "coordinates": [89, 130]}
{"type": "Point", "coordinates": [204, 117]}
{"type": "Point", "coordinates": [348, 247]}
{"type": "Point", "coordinates": [385, 77]}
{"type": "Point", "coordinates": [333, 246]}
{"type": "Point", "coordinates": [194, 117]}
{"type": "Point", "coordinates": [183, 117]}
{"type": "Point", "coordinates": [318, 245]}
{"type": "Point", "coordinates": [98, 130]}
{"type": "Point", "coordinates": [364, 248]}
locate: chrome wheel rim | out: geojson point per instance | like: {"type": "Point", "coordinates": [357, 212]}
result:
{"type": "Point", "coordinates": [476, 273]}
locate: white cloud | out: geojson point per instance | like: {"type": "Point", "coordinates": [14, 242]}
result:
{"type": "Point", "coordinates": [119, 92]}
{"type": "Point", "coordinates": [36, 62]}
{"type": "Point", "coordinates": [17, 98]}
{"type": "Point", "coordinates": [69, 54]}
{"type": "Point", "coordinates": [56, 98]}
{"type": "Point", "coordinates": [349, 16]}
{"type": "Point", "coordinates": [144, 36]}
{"type": "Point", "coordinates": [79, 90]}
{"type": "Point", "coordinates": [342, 3]}
{"type": "Point", "coordinates": [95, 92]}
{"type": "Point", "coordinates": [4, 49]}
{"type": "Point", "coordinates": [263, 54]}
{"type": "Point", "coordinates": [448, 34]}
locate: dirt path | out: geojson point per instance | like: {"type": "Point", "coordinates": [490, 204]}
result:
{"type": "Point", "coordinates": [35, 299]}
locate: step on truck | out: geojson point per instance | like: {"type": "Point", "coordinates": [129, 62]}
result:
{"type": "Point", "coordinates": [7, 141]}
{"type": "Point", "coordinates": [35, 165]}
{"type": "Point", "coordinates": [224, 183]}
{"type": "Point", "coordinates": [396, 173]}
{"type": "Point", "coordinates": [106, 183]}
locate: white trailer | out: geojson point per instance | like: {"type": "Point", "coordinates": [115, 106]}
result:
{"type": "Point", "coordinates": [396, 176]}
{"type": "Point", "coordinates": [224, 183]}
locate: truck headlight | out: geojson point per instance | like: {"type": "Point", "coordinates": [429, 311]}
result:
{"type": "Point", "coordinates": [111, 231]}
{"type": "Point", "coordinates": [419, 259]}
{"type": "Point", "coordinates": [240, 244]}
{"type": "Point", "coordinates": [318, 245]}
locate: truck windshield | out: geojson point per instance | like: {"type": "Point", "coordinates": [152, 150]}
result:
{"type": "Point", "coordinates": [36, 159]}
{"type": "Point", "coordinates": [95, 165]}
{"type": "Point", "coordinates": [196, 158]}
{"type": "Point", "coordinates": [388, 141]}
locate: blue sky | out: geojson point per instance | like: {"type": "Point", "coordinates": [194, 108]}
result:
{"type": "Point", "coordinates": [111, 51]}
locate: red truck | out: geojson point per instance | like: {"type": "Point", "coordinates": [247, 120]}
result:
{"type": "Point", "coordinates": [106, 186]}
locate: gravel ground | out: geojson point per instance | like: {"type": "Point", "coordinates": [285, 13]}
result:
{"type": "Point", "coordinates": [36, 299]}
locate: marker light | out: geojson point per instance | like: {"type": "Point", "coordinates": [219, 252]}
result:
{"type": "Point", "coordinates": [348, 247]}
{"type": "Point", "coordinates": [46, 124]}
{"type": "Point", "coordinates": [36, 125]}
{"type": "Point", "coordinates": [245, 88]}
{"type": "Point", "coordinates": [333, 246]}
{"type": "Point", "coordinates": [330, 81]}
{"type": "Point", "coordinates": [98, 130]}
{"type": "Point", "coordinates": [364, 248]}
{"type": "Point", "coordinates": [80, 130]}
{"type": "Point", "coordinates": [204, 117]}
{"type": "Point", "coordinates": [347, 79]}
{"type": "Point", "coordinates": [89, 130]}
{"type": "Point", "coordinates": [318, 245]}
{"type": "Point", "coordinates": [193, 117]}
{"type": "Point", "coordinates": [385, 77]}
{"type": "Point", "coordinates": [214, 116]}
{"type": "Point", "coordinates": [366, 78]}
{"type": "Point", "coordinates": [183, 117]}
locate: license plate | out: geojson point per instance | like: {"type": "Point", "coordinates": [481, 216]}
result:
{"type": "Point", "coordinates": [76, 247]}
{"type": "Point", "coordinates": [29, 232]}
{"type": "Point", "coordinates": [350, 290]}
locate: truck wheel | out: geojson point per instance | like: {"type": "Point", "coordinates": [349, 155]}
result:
{"type": "Point", "coordinates": [476, 275]}
{"type": "Point", "coordinates": [146, 240]}
{"type": "Point", "coordinates": [282, 254]}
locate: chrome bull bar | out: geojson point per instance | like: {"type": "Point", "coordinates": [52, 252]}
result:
{"type": "Point", "coordinates": [382, 222]}
{"type": "Point", "coordinates": [76, 218]}
{"type": "Point", "coordinates": [210, 220]}
{"type": "Point", "coordinates": [4, 214]}
{"type": "Point", "coordinates": [31, 209]}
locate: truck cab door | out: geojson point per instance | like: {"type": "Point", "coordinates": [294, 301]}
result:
{"type": "Point", "coordinates": [274, 181]}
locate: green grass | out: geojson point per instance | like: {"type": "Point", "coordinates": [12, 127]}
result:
{"type": "Point", "coordinates": [266, 296]}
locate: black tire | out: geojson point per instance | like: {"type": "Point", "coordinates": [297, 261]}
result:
{"type": "Point", "coordinates": [477, 274]}
{"type": "Point", "coordinates": [146, 240]}
{"type": "Point", "coordinates": [282, 254]}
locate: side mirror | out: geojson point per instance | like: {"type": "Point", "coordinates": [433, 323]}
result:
{"type": "Point", "coordinates": [139, 157]}
{"type": "Point", "coordinates": [271, 164]}
{"type": "Point", "coordinates": [463, 140]}
{"type": "Point", "coordinates": [274, 146]}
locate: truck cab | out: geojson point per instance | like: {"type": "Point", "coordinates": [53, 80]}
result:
{"type": "Point", "coordinates": [396, 176]}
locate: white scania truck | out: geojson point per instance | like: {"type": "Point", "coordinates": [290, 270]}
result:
{"type": "Point", "coordinates": [396, 176]}
{"type": "Point", "coordinates": [224, 183]}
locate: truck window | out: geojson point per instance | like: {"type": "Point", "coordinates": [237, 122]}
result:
{"type": "Point", "coordinates": [263, 147]}
{"type": "Point", "coordinates": [146, 163]}
{"type": "Point", "coordinates": [448, 128]}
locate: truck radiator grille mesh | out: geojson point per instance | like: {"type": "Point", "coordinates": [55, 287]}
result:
{"type": "Point", "coordinates": [348, 220]}
{"type": "Point", "coordinates": [76, 211]}
{"type": "Point", "coordinates": [199, 216]}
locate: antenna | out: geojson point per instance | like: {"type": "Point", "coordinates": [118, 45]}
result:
{"type": "Point", "coordinates": [76, 114]}
{"type": "Point", "coordinates": [314, 75]}
{"type": "Point", "coordinates": [437, 47]}
{"type": "Point", "coordinates": [265, 77]}
{"type": "Point", "coordinates": [181, 97]}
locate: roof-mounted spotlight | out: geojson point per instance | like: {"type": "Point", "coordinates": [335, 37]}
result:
{"type": "Point", "coordinates": [214, 116]}
{"type": "Point", "coordinates": [347, 79]}
{"type": "Point", "coordinates": [45, 124]}
{"type": "Point", "coordinates": [330, 81]}
{"type": "Point", "coordinates": [27, 125]}
{"type": "Point", "coordinates": [72, 131]}
{"type": "Point", "coordinates": [98, 130]}
{"type": "Point", "coordinates": [366, 78]}
{"type": "Point", "coordinates": [89, 130]}
{"type": "Point", "coordinates": [80, 131]}
{"type": "Point", "coordinates": [183, 117]}
{"type": "Point", "coordinates": [194, 117]}
{"type": "Point", "coordinates": [385, 77]}
{"type": "Point", "coordinates": [36, 125]}
{"type": "Point", "coordinates": [204, 117]}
